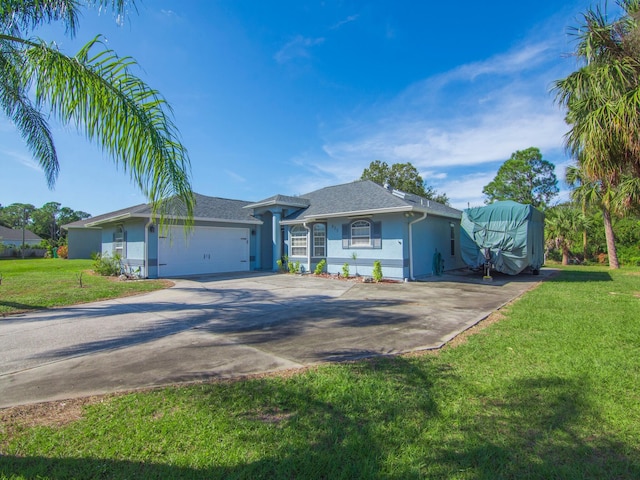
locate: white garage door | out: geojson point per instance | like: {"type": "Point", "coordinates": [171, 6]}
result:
{"type": "Point", "coordinates": [204, 250]}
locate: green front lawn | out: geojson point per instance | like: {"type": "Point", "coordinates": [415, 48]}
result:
{"type": "Point", "coordinates": [37, 283]}
{"type": "Point", "coordinates": [551, 391]}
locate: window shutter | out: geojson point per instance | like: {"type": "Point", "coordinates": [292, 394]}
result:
{"type": "Point", "coordinates": [376, 235]}
{"type": "Point", "coordinates": [346, 233]}
{"type": "Point", "coordinates": [113, 237]}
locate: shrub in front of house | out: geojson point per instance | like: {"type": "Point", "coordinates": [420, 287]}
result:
{"type": "Point", "coordinates": [320, 267]}
{"type": "Point", "coordinates": [106, 265]}
{"type": "Point", "coordinates": [377, 271]}
{"type": "Point", "coordinates": [345, 270]}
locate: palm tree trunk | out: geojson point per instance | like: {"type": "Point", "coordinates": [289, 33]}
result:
{"type": "Point", "coordinates": [565, 255]}
{"type": "Point", "coordinates": [584, 232]}
{"type": "Point", "coordinates": [611, 239]}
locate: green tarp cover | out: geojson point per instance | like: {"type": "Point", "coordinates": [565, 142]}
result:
{"type": "Point", "coordinates": [512, 232]}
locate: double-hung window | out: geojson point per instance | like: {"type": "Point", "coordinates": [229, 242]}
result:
{"type": "Point", "coordinates": [319, 240]}
{"type": "Point", "coordinates": [298, 237]}
{"type": "Point", "coordinates": [119, 242]}
{"type": "Point", "coordinates": [361, 233]}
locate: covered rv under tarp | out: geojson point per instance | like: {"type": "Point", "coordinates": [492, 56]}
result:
{"type": "Point", "coordinates": [507, 235]}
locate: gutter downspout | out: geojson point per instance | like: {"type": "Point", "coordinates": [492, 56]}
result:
{"type": "Point", "coordinates": [424, 216]}
{"type": "Point", "coordinates": [304, 224]}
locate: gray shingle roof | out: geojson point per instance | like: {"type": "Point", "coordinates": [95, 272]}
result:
{"type": "Point", "coordinates": [105, 216]}
{"type": "Point", "coordinates": [281, 200]}
{"type": "Point", "coordinates": [9, 234]}
{"type": "Point", "coordinates": [206, 208]}
{"type": "Point", "coordinates": [365, 197]}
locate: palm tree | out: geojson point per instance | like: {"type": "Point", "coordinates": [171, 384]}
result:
{"type": "Point", "coordinates": [613, 201]}
{"type": "Point", "coordinates": [561, 224]}
{"type": "Point", "coordinates": [576, 178]}
{"type": "Point", "coordinates": [94, 90]}
{"type": "Point", "coordinates": [603, 107]}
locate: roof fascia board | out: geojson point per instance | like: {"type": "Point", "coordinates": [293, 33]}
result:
{"type": "Point", "coordinates": [355, 213]}
{"type": "Point", "coordinates": [173, 217]}
{"type": "Point", "coordinates": [271, 203]}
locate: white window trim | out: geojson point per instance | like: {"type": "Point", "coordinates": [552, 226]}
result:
{"type": "Point", "coordinates": [298, 240]}
{"type": "Point", "coordinates": [323, 236]}
{"type": "Point", "coordinates": [357, 240]}
{"type": "Point", "coordinates": [119, 246]}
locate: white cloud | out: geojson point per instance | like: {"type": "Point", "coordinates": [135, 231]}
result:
{"type": "Point", "coordinates": [349, 19]}
{"type": "Point", "coordinates": [296, 48]}
{"type": "Point", "coordinates": [456, 127]}
{"type": "Point", "coordinates": [235, 176]}
{"type": "Point", "coordinates": [22, 160]}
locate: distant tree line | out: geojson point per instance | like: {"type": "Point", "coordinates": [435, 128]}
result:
{"type": "Point", "coordinates": [44, 221]}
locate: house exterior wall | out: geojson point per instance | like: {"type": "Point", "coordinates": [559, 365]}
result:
{"type": "Point", "coordinates": [431, 235]}
{"type": "Point", "coordinates": [392, 251]}
{"type": "Point", "coordinates": [133, 251]}
{"type": "Point", "coordinates": [82, 242]}
{"type": "Point", "coordinates": [428, 235]}
{"type": "Point", "coordinates": [135, 238]}
{"type": "Point", "coordinates": [18, 243]}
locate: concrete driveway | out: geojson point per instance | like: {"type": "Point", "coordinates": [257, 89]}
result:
{"type": "Point", "coordinates": [221, 327]}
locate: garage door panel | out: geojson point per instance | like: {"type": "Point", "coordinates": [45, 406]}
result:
{"type": "Point", "coordinates": [204, 250]}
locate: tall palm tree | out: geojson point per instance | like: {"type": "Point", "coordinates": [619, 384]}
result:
{"type": "Point", "coordinates": [617, 201]}
{"type": "Point", "coordinates": [577, 178]}
{"type": "Point", "coordinates": [602, 99]}
{"type": "Point", "coordinates": [599, 194]}
{"type": "Point", "coordinates": [94, 90]}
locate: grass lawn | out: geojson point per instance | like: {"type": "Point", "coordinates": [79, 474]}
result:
{"type": "Point", "coordinates": [550, 391]}
{"type": "Point", "coordinates": [37, 283]}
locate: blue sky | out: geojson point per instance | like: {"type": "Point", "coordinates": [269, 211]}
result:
{"type": "Point", "coordinates": [287, 97]}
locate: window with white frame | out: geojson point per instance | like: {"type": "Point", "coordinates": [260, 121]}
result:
{"type": "Point", "coordinates": [361, 233]}
{"type": "Point", "coordinates": [298, 237]}
{"type": "Point", "coordinates": [319, 240]}
{"type": "Point", "coordinates": [118, 242]}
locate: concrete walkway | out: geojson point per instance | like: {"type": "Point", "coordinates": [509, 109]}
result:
{"type": "Point", "coordinates": [222, 327]}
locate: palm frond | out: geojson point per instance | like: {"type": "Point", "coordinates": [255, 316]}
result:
{"type": "Point", "coordinates": [28, 119]}
{"type": "Point", "coordinates": [96, 91]}
{"type": "Point", "coordinates": [25, 15]}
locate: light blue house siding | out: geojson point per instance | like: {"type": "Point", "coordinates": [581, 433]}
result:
{"type": "Point", "coordinates": [138, 233]}
{"type": "Point", "coordinates": [435, 234]}
{"type": "Point", "coordinates": [390, 251]}
{"type": "Point", "coordinates": [83, 242]}
{"type": "Point", "coordinates": [127, 239]}
{"type": "Point", "coordinates": [393, 250]}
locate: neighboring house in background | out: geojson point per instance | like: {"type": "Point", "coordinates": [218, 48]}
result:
{"type": "Point", "coordinates": [359, 219]}
{"type": "Point", "coordinates": [13, 238]}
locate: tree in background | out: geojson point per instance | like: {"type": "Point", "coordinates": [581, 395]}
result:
{"type": "Point", "coordinates": [44, 221]}
{"type": "Point", "coordinates": [403, 177]}
{"type": "Point", "coordinates": [94, 90]}
{"type": "Point", "coordinates": [603, 112]}
{"type": "Point", "coordinates": [562, 224]}
{"type": "Point", "coordinates": [17, 215]}
{"type": "Point", "coordinates": [525, 178]}
{"type": "Point", "coordinates": [47, 220]}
